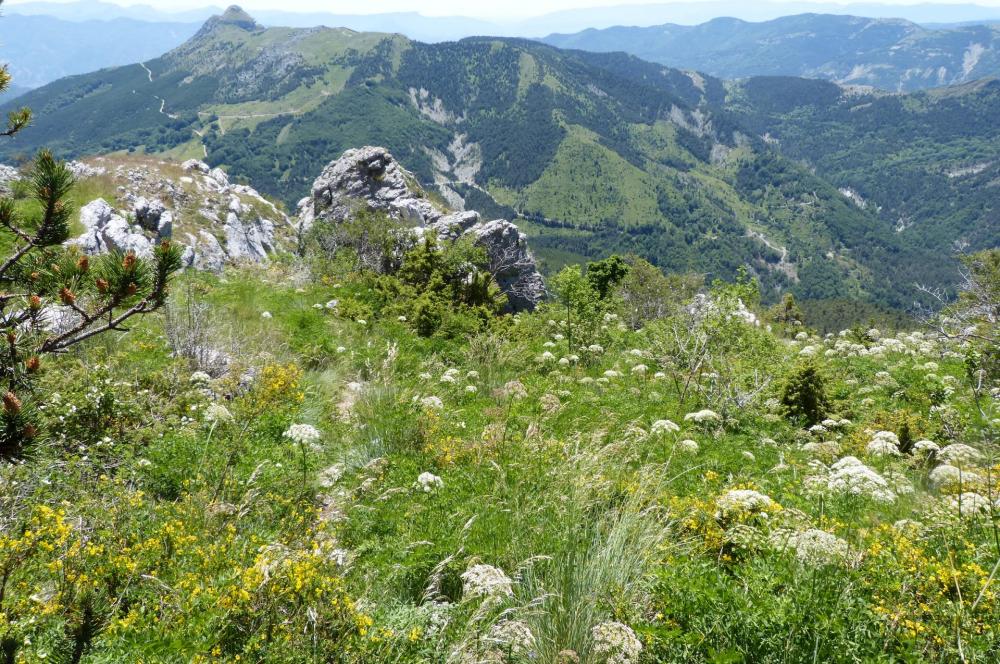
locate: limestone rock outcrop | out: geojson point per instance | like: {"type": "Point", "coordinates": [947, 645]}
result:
{"type": "Point", "coordinates": [216, 221]}
{"type": "Point", "coordinates": [370, 177]}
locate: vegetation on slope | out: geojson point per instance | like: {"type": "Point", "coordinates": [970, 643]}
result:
{"type": "Point", "coordinates": [289, 467]}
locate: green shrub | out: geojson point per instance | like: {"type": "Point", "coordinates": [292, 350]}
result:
{"type": "Point", "coordinates": [803, 394]}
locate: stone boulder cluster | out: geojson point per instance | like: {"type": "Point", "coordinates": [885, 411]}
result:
{"type": "Point", "coordinates": [371, 177]}
{"type": "Point", "coordinates": [216, 221]}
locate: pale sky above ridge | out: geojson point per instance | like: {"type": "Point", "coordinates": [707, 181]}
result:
{"type": "Point", "coordinates": [491, 10]}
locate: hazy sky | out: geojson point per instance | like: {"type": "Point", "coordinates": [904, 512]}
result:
{"type": "Point", "coordinates": [481, 8]}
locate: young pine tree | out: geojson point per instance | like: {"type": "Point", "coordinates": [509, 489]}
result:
{"type": "Point", "coordinates": [52, 297]}
{"type": "Point", "coordinates": [804, 394]}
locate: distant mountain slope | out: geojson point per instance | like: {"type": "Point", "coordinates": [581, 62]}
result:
{"type": "Point", "coordinates": [927, 163]}
{"type": "Point", "coordinates": [890, 54]}
{"type": "Point", "coordinates": [599, 152]}
{"type": "Point", "coordinates": [41, 49]}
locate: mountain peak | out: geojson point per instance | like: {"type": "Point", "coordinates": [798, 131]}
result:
{"type": "Point", "coordinates": [235, 15]}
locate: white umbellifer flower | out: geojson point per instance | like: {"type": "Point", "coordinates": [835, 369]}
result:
{"type": "Point", "coordinates": [448, 378]}
{"type": "Point", "coordinates": [970, 504]}
{"type": "Point", "coordinates": [564, 361]}
{"type": "Point", "coordinates": [640, 369]}
{"type": "Point", "coordinates": [361, 321]}
{"type": "Point", "coordinates": [925, 447]}
{"type": "Point", "coordinates": [302, 433]}
{"type": "Point", "coordinates": [432, 403]}
{"type": "Point", "coordinates": [515, 389]}
{"type": "Point", "coordinates": [200, 377]}
{"type": "Point", "coordinates": [615, 643]}
{"type": "Point", "coordinates": [428, 482]}
{"type": "Point", "coordinates": [814, 547]}
{"type": "Point", "coordinates": [547, 356]}
{"type": "Point", "coordinates": [472, 375]}
{"type": "Point", "coordinates": [341, 349]}
{"type": "Point", "coordinates": [850, 476]}
{"type": "Point", "coordinates": [265, 315]}
{"type": "Point", "coordinates": [216, 412]}
{"type": "Point", "coordinates": [663, 426]}
{"type": "Point", "coordinates": [687, 445]}
{"type": "Point", "coordinates": [959, 454]}
{"type": "Point", "coordinates": [748, 455]}
{"type": "Point", "coordinates": [486, 581]}
{"type": "Point", "coordinates": [471, 389]}
{"type": "Point", "coordinates": [885, 443]}
{"type": "Point", "coordinates": [801, 336]}
{"type": "Point", "coordinates": [736, 502]}
{"type": "Point", "coordinates": [611, 373]}
{"type": "Point", "coordinates": [817, 428]}
{"type": "Point", "coordinates": [830, 423]}
{"type": "Point", "coordinates": [595, 348]}
{"type": "Point", "coordinates": [402, 319]}
{"type": "Point", "coordinates": [424, 376]}
{"type": "Point", "coordinates": [947, 476]}
{"type": "Point", "coordinates": [702, 416]}
{"type": "Point", "coordinates": [549, 344]}
{"type": "Point", "coordinates": [659, 375]}
{"type": "Point", "coordinates": [558, 337]}
{"type": "Point", "coordinates": [514, 638]}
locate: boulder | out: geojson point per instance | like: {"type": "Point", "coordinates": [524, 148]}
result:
{"type": "Point", "coordinates": [8, 175]}
{"type": "Point", "coordinates": [371, 178]}
{"type": "Point", "coordinates": [195, 165]}
{"type": "Point", "coordinates": [107, 231]}
{"type": "Point", "coordinates": [148, 212]}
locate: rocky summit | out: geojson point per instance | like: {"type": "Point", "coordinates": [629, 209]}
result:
{"type": "Point", "coordinates": [370, 177]}
{"type": "Point", "coordinates": [218, 222]}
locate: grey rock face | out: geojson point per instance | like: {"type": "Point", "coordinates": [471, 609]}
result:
{"type": "Point", "coordinates": [252, 240]}
{"type": "Point", "coordinates": [371, 177]}
{"type": "Point", "coordinates": [203, 252]}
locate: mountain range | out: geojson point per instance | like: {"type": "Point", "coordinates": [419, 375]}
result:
{"type": "Point", "coordinates": [890, 54]}
{"type": "Point", "coordinates": [595, 153]}
{"type": "Point", "coordinates": [572, 20]}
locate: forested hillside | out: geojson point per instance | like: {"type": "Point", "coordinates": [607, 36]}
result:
{"type": "Point", "coordinates": [889, 54]}
{"type": "Point", "coordinates": [927, 163]}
